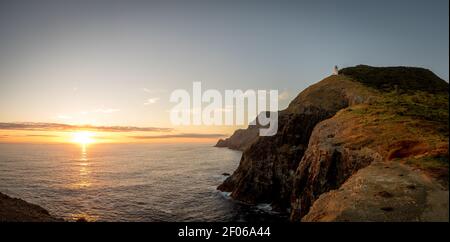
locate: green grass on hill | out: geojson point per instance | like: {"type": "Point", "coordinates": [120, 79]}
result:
{"type": "Point", "coordinates": [407, 114]}
{"type": "Point", "coordinates": [419, 105]}
{"type": "Point", "coordinates": [402, 79]}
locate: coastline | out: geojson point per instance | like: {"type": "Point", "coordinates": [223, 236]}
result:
{"type": "Point", "coordinates": [368, 138]}
{"type": "Point", "coordinates": [18, 210]}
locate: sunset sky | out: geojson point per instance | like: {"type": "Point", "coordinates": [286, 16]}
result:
{"type": "Point", "coordinates": [115, 63]}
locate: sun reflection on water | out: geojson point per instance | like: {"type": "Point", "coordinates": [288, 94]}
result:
{"type": "Point", "coordinates": [83, 217]}
{"type": "Point", "coordinates": [84, 171]}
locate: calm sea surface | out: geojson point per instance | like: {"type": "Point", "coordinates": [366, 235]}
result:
{"type": "Point", "coordinates": [126, 182]}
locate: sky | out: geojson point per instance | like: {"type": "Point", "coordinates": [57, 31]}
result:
{"type": "Point", "coordinates": [115, 63]}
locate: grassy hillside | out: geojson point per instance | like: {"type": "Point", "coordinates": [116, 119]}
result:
{"type": "Point", "coordinates": [408, 123]}
{"type": "Point", "coordinates": [404, 79]}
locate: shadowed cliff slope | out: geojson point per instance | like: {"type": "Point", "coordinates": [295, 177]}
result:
{"type": "Point", "coordinates": [18, 210]}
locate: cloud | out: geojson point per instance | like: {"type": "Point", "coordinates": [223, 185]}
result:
{"type": "Point", "coordinates": [151, 101]}
{"type": "Point", "coordinates": [42, 135]}
{"type": "Point", "coordinates": [153, 91]}
{"type": "Point", "coordinates": [31, 126]}
{"type": "Point", "coordinates": [29, 135]}
{"type": "Point", "coordinates": [186, 135]}
{"type": "Point", "coordinates": [284, 95]}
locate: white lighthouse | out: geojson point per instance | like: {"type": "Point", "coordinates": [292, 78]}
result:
{"type": "Point", "coordinates": [336, 70]}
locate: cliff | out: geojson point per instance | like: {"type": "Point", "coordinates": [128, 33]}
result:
{"type": "Point", "coordinates": [383, 192]}
{"type": "Point", "coordinates": [267, 167]}
{"type": "Point", "coordinates": [241, 138]}
{"type": "Point", "coordinates": [18, 210]}
{"type": "Point", "coordinates": [340, 125]}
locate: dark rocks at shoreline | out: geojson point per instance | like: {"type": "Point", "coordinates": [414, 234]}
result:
{"type": "Point", "coordinates": [18, 210]}
{"type": "Point", "coordinates": [81, 220]}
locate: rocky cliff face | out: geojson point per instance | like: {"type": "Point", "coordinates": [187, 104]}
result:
{"type": "Point", "coordinates": [339, 126]}
{"type": "Point", "coordinates": [18, 210]}
{"type": "Point", "coordinates": [383, 192]}
{"type": "Point", "coordinates": [267, 166]}
{"type": "Point", "coordinates": [327, 164]}
{"type": "Point", "coordinates": [265, 172]}
{"type": "Point", "coordinates": [374, 132]}
{"type": "Point", "coordinates": [241, 138]}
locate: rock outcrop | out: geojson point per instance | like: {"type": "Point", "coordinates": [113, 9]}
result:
{"type": "Point", "coordinates": [383, 193]}
{"type": "Point", "coordinates": [327, 163]}
{"type": "Point", "coordinates": [241, 138]}
{"type": "Point", "coordinates": [18, 210]}
{"type": "Point", "coordinates": [333, 129]}
{"type": "Point", "coordinates": [267, 166]}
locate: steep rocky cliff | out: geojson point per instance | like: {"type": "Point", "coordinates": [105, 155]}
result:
{"type": "Point", "coordinates": [341, 125]}
{"type": "Point", "coordinates": [383, 192]}
{"type": "Point", "coordinates": [267, 166]}
{"type": "Point", "coordinates": [327, 163]}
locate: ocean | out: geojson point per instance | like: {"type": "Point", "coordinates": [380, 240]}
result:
{"type": "Point", "coordinates": [127, 182]}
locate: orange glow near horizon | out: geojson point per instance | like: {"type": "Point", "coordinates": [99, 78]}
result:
{"type": "Point", "coordinates": [86, 137]}
{"type": "Point", "coordinates": [83, 137]}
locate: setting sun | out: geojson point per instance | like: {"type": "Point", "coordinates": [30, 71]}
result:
{"type": "Point", "coordinates": [83, 137]}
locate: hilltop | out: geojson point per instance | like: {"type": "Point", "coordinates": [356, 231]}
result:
{"type": "Point", "coordinates": [336, 137]}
